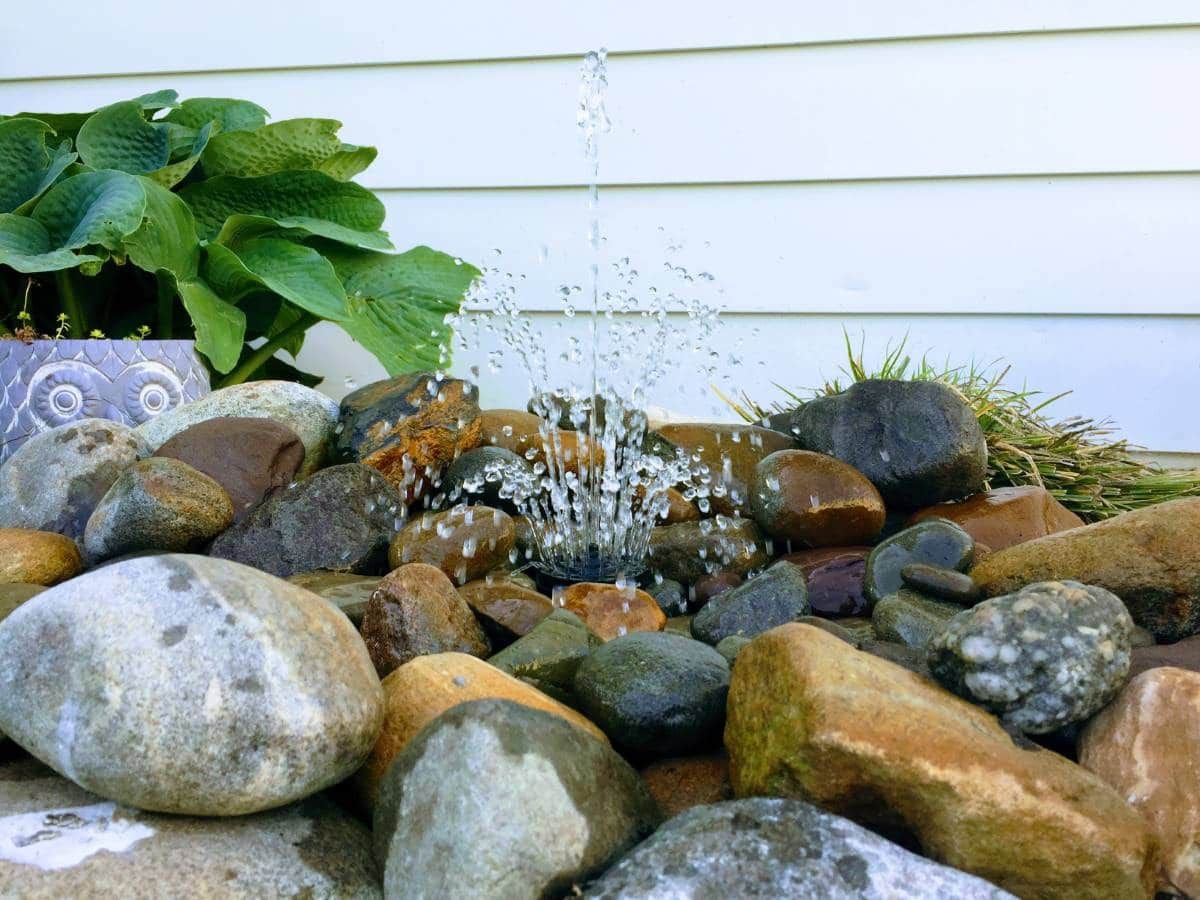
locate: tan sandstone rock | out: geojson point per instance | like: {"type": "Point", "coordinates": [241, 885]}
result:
{"type": "Point", "coordinates": [37, 557]}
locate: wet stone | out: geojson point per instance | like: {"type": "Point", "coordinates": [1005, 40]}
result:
{"type": "Point", "coordinates": [340, 519]}
{"type": "Point", "coordinates": [811, 560]}
{"type": "Point", "coordinates": [731, 646]}
{"type": "Point", "coordinates": [610, 611]}
{"type": "Point", "coordinates": [773, 598]}
{"type": "Point", "coordinates": [465, 542]}
{"type": "Point", "coordinates": [679, 509]}
{"type": "Point", "coordinates": [506, 610]}
{"type": "Point", "coordinates": [682, 782]}
{"type": "Point", "coordinates": [713, 586]}
{"type": "Point", "coordinates": [349, 593]}
{"type": "Point", "coordinates": [551, 652]}
{"type": "Point", "coordinates": [521, 433]}
{"type": "Point", "coordinates": [37, 557]}
{"type": "Point", "coordinates": [477, 477]}
{"type": "Point", "coordinates": [941, 583]}
{"type": "Point", "coordinates": [835, 589]}
{"type": "Point", "coordinates": [670, 595]}
{"type": "Point", "coordinates": [689, 551]}
{"type": "Point", "coordinates": [731, 454]}
{"type": "Point", "coordinates": [936, 542]}
{"type": "Point", "coordinates": [1004, 517]}
{"type": "Point", "coordinates": [1051, 654]}
{"type": "Point", "coordinates": [909, 618]}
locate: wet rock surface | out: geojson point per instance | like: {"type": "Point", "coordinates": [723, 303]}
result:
{"type": "Point", "coordinates": [836, 589]}
{"type": "Point", "coordinates": [37, 557]}
{"type": "Point", "coordinates": [477, 477]}
{"type": "Point", "coordinates": [910, 618]}
{"type": "Point", "coordinates": [935, 542]}
{"type": "Point", "coordinates": [464, 542]}
{"type": "Point", "coordinates": [731, 454]}
{"type": "Point", "coordinates": [670, 595]}
{"type": "Point", "coordinates": [349, 593]}
{"type": "Point", "coordinates": [610, 611]}
{"type": "Point", "coordinates": [941, 583]}
{"type": "Point", "coordinates": [776, 596]}
{"type": "Point", "coordinates": [506, 610]}
{"type": "Point", "coordinates": [1003, 517]}
{"type": "Point", "coordinates": [551, 652]}
{"type": "Point", "coordinates": [689, 551]}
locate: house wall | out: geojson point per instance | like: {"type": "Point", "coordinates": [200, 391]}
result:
{"type": "Point", "coordinates": [1015, 181]}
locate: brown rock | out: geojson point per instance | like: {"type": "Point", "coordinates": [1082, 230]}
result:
{"type": "Point", "coordinates": [416, 611]}
{"type": "Point", "coordinates": [812, 718]}
{"type": "Point", "coordinates": [1144, 744]}
{"type": "Point", "coordinates": [836, 588]}
{"type": "Point", "coordinates": [37, 557]}
{"type": "Point", "coordinates": [13, 595]}
{"type": "Point", "coordinates": [712, 585]}
{"type": "Point", "coordinates": [508, 610]}
{"type": "Point", "coordinates": [681, 783]}
{"type": "Point", "coordinates": [811, 560]}
{"type": "Point", "coordinates": [1183, 654]}
{"type": "Point", "coordinates": [1150, 558]}
{"type": "Point", "coordinates": [464, 542]}
{"type": "Point", "coordinates": [679, 508]}
{"type": "Point", "coordinates": [610, 611]}
{"type": "Point", "coordinates": [813, 499]}
{"type": "Point", "coordinates": [519, 431]}
{"type": "Point", "coordinates": [248, 457]}
{"type": "Point", "coordinates": [418, 692]}
{"type": "Point", "coordinates": [1004, 517]}
{"type": "Point", "coordinates": [690, 551]}
{"type": "Point", "coordinates": [731, 453]}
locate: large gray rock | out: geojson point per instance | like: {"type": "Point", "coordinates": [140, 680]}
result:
{"type": "Point", "coordinates": [778, 848]}
{"type": "Point", "coordinates": [55, 480]}
{"type": "Point", "coordinates": [494, 799]}
{"type": "Point", "coordinates": [57, 841]}
{"type": "Point", "coordinates": [775, 597]}
{"type": "Point", "coordinates": [918, 442]}
{"type": "Point", "coordinates": [186, 684]}
{"type": "Point", "coordinates": [310, 414]}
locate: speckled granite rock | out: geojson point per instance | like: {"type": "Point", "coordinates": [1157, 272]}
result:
{"type": "Point", "coordinates": [909, 618]}
{"type": "Point", "coordinates": [934, 541]}
{"type": "Point", "coordinates": [1051, 654]}
{"type": "Point", "coordinates": [776, 596]}
{"type": "Point", "coordinates": [37, 557]}
{"type": "Point", "coordinates": [54, 481]}
{"type": "Point", "coordinates": [557, 806]}
{"type": "Point", "coordinates": [464, 542]}
{"type": "Point", "coordinates": [157, 504]}
{"type": "Point", "coordinates": [186, 684]}
{"type": "Point", "coordinates": [689, 551]}
{"type": "Point", "coordinates": [59, 841]}
{"type": "Point", "coordinates": [309, 413]}
{"type": "Point", "coordinates": [765, 847]}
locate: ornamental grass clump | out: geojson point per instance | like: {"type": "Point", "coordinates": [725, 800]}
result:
{"type": "Point", "coordinates": [1076, 459]}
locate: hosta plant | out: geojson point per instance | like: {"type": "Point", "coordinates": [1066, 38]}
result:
{"type": "Point", "coordinates": [199, 218]}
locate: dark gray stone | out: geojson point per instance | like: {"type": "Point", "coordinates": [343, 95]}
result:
{"type": "Point", "coordinates": [476, 477]}
{"type": "Point", "coordinates": [775, 597]}
{"type": "Point", "coordinates": [909, 618]}
{"type": "Point", "coordinates": [934, 541]}
{"type": "Point", "coordinates": [671, 596]}
{"type": "Point", "coordinates": [941, 583]}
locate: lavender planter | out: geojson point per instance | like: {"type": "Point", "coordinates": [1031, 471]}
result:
{"type": "Point", "coordinates": [51, 383]}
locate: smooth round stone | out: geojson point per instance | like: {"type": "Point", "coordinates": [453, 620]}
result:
{"type": "Point", "coordinates": [1004, 517]}
{"type": "Point", "coordinates": [917, 441]}
{"type": "Point", "coordinates": [689, 551]}
{"type": "Point", "coordinates": [56, 478]}
{"type": "Point", "coordinates": [731, 646]}
{"type": "Point", "coordinates": [349, 593]}
{"type": "Point", "coordinates": [1051, 654]}
{"type": "Point", "coordinates": [935, 541]}
{"type": "Point", "coordinates": [340, 519]}
{"type": "Point", "coordinates": [310, 414]}
{"type": "Point", "coordinates": [37, 557]}
{"type": "Point", "coordinates": [909, 618]}
{"type": "Point", "coordinates": [610, 611]}
{"type": "Point", "coordinates": [941, 583]}
{"type": "Point", "coordinates": [478, 477]}
{"type": "Point", "coordinates": [775, 597]}
{"type": "Point", "coordinates": [414, 611]}
{"type": "Point", "coordinates": [506, 610]}
{"type": "Point", "coordinates": [679, 509]}
{"type": "Point", "coordinates": [551, 653]}
{"type": "Point", "coordinates": [521, 433]}
{"type": "Point", "coordinates": [731, 453]}
{"type": "Point", "coordinates": [249, 458]}
{"type": "Point", "coordinates": [60, 841]}
{"type": "Point", "coordinates": [465, 542]}
{"type": "Point", "coordinates": [835, 589]}
{"type": "Point", "coordinates": [13, 595]}
{"type": "Point", "coordinates": [189, 685]}
{"type": "Point", "coordinates": [670, 595]}
{"type": "Point", "coordinates": [811, 560]}
{"type": "Point", "coordinates": [683, 782]}
{"type": "Point", "coordinates": [765, 847]}
{"type": "Point", "coordinates": [556, 807]}
{"type": "Point", "coordinates": [815, 500]}
{"type": "Point", "coordinates": [850, 636]}
{"type": "Point", "coordinates": [157, 504]}
{"type": "Point", "coordinates": [714, 585]}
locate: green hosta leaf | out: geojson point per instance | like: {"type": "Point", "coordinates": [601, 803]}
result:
{"type": "Point", "coordinates": [172, 174]}
{"type": "Point", "coordinates": [220, 326]}
{"type": "Point", "coordinates": [119, 137]}
{"type": "Point", "coordinates": [347, 162]}
{"type": "Point", "coordinates": [166, 239]}
{"type": "Point", "coordinates": [397, 302]}
{"type": "Point", "coordinates": [230, 115]}
{"type": "Point", "coordinates": [309, 202]}
{"type": "Point", "coordinates": [92, 209]}
{"type": "Point", "coordinates": [26, 246]}
{"type": "Point", "coordinates": [275, 369]}
{"type": "Point", "coordinates": [27, 167]}
{"type": "Point", "coordinates": [283, 146]}
{"type": "Point", "coordinates": [295, 272]}
{"type": "Point", "coordinates": [65, 125]}
{"type": "Point", "coordinates": [157, 100]}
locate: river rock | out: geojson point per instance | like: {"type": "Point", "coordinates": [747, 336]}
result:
{"type": "Point", "coordinates": [37, 557]}
{"type": "Point", "coordinates": [917, 441]}
{"type": "Point", "coordinates": [556, 806]}
{"type": "Point", "coordinates": [1150, 558]}
{"type": "Point", "coordinates": [521, 433]}
{"type": "Point", "coordinates": [714, 585]}
{"type": "Point", "coordinates": [813, 558]}
{"type": "Point", "coordinates": [1183, 654]}
{"type": "Point", "coordinates": [238, 691]}
{"type": "Point", "coordinates": [809, 717]}
{"type": "Point", "coordinates": [655, 694]}
{"type": "Point", "coordinates": [57, 841]}
{"type": "Point", "coordinates": [415, 611]}
{"type": "Point", "coordinates": [340, 519]}
{"type": "Point", "coordinates": [766, 847]}
{"type": "Point", "coordinates": [349, 593]}
{"type": "Point", "coordinates": [936, 542]}
{"type": "Point", "coordinates": [776, 596]}
{"type": "Point", "coordinates": [56, 478]}
{"type": "Point", "coordinates": [815, 500]}
{"type": "Point", "coordinates": [670, 595]}
{"type": "Point", "coordinates": [610, 611]}
{"type": "Point", "coordinates": [835, 589]}
{"type": "Point", "coordinates": [551, 652]}
{"type": "Point", "coordinates": [421, 690]}
{"type": "Point", "coordinates": [478, 476]}
{"type": "Point", "coordinates": [941, 583]}
{"type": "Point", "coordinates": [249, 458]}
{"type": "Point", "coordinates": [409, 428]}
{"type": "Point", "coordinates": [689, 551]}
{"type": "Point", "coordinates": [310, 414]}
{"type": "Point", "coordinates": [157, 504]}
{"type": "Point", "coordinates": [465, 542]}
{"type": "Point", "coordinates": [731, 454]}
{"type": "Point", "coordinates": [910, 618]}
{"type": "Point", "coordinates": [1144, 745]}
{"type": "Point", "coordinates": [1051, 654]}
{"type": "Point", "coordinates": [682, 782]}
{"type": "Point", "coordinates": [13, 595]}
{"type": "Point", "coordinates": [1003, 517]}
{"type": "Point", "coordinates": [506, 610]}
{"type": "Point", "coordinates": [679, 508]}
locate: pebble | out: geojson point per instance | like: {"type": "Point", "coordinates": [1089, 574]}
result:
{"type": "Point", "coordinates": [37, 557]}
{"type": "Point", "coordinates": [731, 454]}
{"type": "Point", "coordinates": [520, 432]}
{"type": "Point", "coordinates": [941, 583]}
{"type": "Point", "coordinates": [910, 618]}
{"type": "Point", "coordinates": [731, 646]}
{"type": "Point", "coordinates": [506, 610]}
{"type": "Point", "coordinates": [776, 596]}
{"type": "Point", "coordinates": [690, 551]}
{"type": "Point", "coordinates": [610, 611]}
{"type": "Point", "coordinates": [835, 588]}
{"type": "Point", "coordinates": [1183, 654]}
{"type": "Point", "coordinates": [935, 541]}
{"type": "Point", "coordinates": [815, 500]}
{"type": "Point", "coordinates": [670, 595]}
{"type": "Point", "coordinates": [551, 652]}
{"type": "Point", "coordinates": [465, 542]}
{"type": "Point", "coordinates": [477, 477]}
{"type": "Point", "coordinates": [714, 585]}
{"type": "Point", "coordinates": [1004, 517]}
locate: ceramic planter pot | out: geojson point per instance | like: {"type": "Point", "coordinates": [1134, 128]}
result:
{"type": "Point", "coordinates": [45, 384]}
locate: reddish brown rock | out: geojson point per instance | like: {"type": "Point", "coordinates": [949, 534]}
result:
{"type": "Point", "coordinates": [815, 500]}
{"type": "Point", "coordinates": [416, 611]}
{"type": "Point", "coordinates": [683, 782]}
{"type": "Point", "coordinates": [506, 609]}
{"type": "Point", "coordinates": [1183, 654]}
{"type": "Point", "coordinates": [679, 508]}
{"type": "Point", "coordinates": [518, 431]}
{"type": "Point", "coordinates": [731, 453]}
{"type": "Point", "coordinates": [250, 458]}
{"type": "Point", "coordinates": [713, 585]}
{"type": "Point", "coordinates": [1144, 744]}
{"type": "Point", "coordinates": [811, 560]}
{"type": "Point", "coordinates": [1004, 517]}
{"type": "Point", "coordinates": [464, 542]}
{"type": "Point", "coordinates": [610, 611]}
{"type": "Point", "coordinates": [835, 588]}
